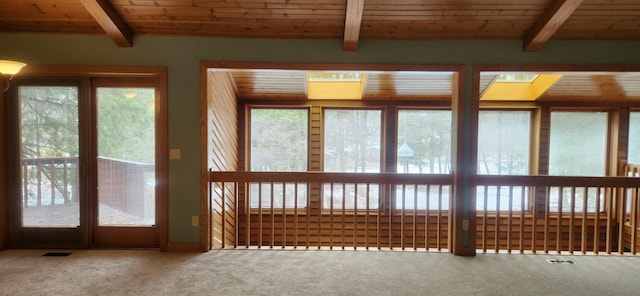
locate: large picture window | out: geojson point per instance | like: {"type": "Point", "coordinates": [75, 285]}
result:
{"type": "Point", "coordinates": [503, 149]}
{"type": "Point", "coordinates": [352, 140]}
{"type": "Point", "coordinates": [279, 143]}
{"type": "Point", "coordinates": [504, 142]}
{"type": "Point", "coordinates": [423, 147]}
{"type": "Point", "coordinates": [578, 144]}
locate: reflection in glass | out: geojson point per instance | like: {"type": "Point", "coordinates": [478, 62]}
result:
{"type": "Point", "coordinates": [126, 156]}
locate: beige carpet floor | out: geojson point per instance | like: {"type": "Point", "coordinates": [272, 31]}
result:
{"type": "Point", "coordinates": [277, 272]}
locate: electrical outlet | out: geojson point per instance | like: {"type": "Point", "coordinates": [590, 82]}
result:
{"type": "Point", "coordinates": [194, 221]}
{"type": "Point", "coordinates": [465, 224]}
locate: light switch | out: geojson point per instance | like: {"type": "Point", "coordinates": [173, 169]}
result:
{"type": "Point", "coordinates": [174, 153]}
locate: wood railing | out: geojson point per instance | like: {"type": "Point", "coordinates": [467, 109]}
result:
{"type": "Point", "coordinates": [123, 185]}
{"type": "Point", "coordinates": [526, 214]}
{"type": "Point", "coordinates": [631, 227]}
{"type": "Point", "coordinates": [330, 210]}
{"type": "Point", "coordinates": [49, 181]}
{"type": "Point", "coordinates": [555, 214]}
{"type": "Point", "coordinates": [630, 169]}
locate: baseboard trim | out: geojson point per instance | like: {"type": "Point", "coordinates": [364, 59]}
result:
{"type": "Point", "coordinates": [184, 247]}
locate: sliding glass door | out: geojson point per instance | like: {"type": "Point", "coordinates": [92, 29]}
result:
{"type": "Point", "coordinates": [84, 167]}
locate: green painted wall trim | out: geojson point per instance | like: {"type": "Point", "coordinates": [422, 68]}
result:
{"type": "Point", "coordinates": [182, 56]}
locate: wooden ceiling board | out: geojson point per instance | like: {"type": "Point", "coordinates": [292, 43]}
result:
{"type": "Point", "coordinates": [419, 30]}
{"type": "Point", "coordinates": [248, 29]}
{"type": "Point", "coordinates": [385, 85]}
{"type": "Point", "coordinates": [326, 19]}
{"type": "Point", "coordinates": [602, 19]}
{"type": "Point", "coordinates": [585, 85]}
{"type": "Point", "coordinates": [270, 84]}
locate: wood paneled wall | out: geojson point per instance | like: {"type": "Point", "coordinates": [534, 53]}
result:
{"type": "Point", "coordinates": [629, 237]}
{"type": "Point", "coordinates": [519, 233]}
{"type": "Point", "coordinates": [222, 154]}
{"type": "Point", "coordinates": [346, 231]}
{"type": "Point", "coordinates": [222, 123]}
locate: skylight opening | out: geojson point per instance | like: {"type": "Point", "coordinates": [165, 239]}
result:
{"type": "Point", "coordinates": [519, 86]}
{"type": "Point", "coordinates": [326, 85]}
{"type": "Point", "coordinates": [334, 76]}
{"type": "Point", "coordinates": [517, 77]}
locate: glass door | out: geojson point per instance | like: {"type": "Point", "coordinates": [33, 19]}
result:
{"type": "Point", "coordinates": [85, 171]}
{"type": "Point", "coordinates": [49, 210]}
{"type": "Point", "coordinates": [126, 165]}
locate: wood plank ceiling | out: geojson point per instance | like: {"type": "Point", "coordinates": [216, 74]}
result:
{"type": "Point", "coordinates": [583, 86]}
{"type": "Point", "coordinates": [532, 21]}
{"type": "Point", "coordinates": [270, 84]}
{"type": "Point", "coordinates": [380, 85]}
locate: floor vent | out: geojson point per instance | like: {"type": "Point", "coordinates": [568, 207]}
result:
{"type": "Point", "coordinates": [560, 261]}
{"type": "Point", "coordinates": [56, 254]}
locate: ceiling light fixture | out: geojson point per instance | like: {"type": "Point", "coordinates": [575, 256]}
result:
{"type": "Point", "coordinates": [8, 69]}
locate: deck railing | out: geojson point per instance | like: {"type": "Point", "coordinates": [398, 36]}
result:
{"type": "Point", "coordinates": [55, 181]}
{"type": "Point", "coordinates": [49, 181]}
{"type": "Point", "coordinates": [123, 185]}
{"type": "Point", "coordinates": [547, 214]}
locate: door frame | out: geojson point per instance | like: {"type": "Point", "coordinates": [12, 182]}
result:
{"type": "Point", "coordinates": [52, 237]}
{"type": "Point", "coordinates": [159, 76]}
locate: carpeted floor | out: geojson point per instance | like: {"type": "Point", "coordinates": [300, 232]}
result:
{"type": "Point", "coordinates": [271, 272]}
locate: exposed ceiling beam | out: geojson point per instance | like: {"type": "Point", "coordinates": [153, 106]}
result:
{"type": "Point", "coordinates": [549, 23]}
{"type": "Point", "coordinates": [110, 21]}
{"type": "Point", "coordinates": [352, 24]}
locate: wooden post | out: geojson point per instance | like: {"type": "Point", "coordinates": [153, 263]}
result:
{"type": "Point", "coordinates": [462, 223]}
